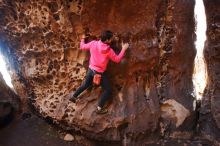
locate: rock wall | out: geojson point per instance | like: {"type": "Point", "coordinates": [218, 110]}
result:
{"type": "Point", "coordinates": [209, 113]}
{"type": "Point", "coordinates": [152, 85]}
{"type": "Point", "coordinates": [177, 52]}
{"type": "Point", "coordinates": [9, 103]}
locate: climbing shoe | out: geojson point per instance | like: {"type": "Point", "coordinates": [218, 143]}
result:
{"type": "Point", "coordinates": [73, 99]}
{"type": "Point", "coordinates": [101, 111]}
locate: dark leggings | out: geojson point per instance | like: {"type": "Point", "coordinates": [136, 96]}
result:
{"type": "Point", "coordinates": [88, 82]}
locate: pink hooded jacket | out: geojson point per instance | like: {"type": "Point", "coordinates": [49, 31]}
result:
{"type": "Point", "coordinates": [100, 53]}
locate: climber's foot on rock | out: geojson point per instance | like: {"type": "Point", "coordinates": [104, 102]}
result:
{"type": "Point", "coordinates": [73, 99]}
{"type": "Point", "coordinates": [101, 110]}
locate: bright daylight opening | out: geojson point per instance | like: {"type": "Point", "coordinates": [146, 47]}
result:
{"type": "Point", "coordinates": [200, 73]}
{"type": "Point", "coordinates": [4, 72]}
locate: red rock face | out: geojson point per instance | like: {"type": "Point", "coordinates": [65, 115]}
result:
{"type": "Point", "coordinates": [151, 86]}
{"type": "Point", "coordinates": [210, 119]}
{"type": "Point", "coordinates": [175, 82]}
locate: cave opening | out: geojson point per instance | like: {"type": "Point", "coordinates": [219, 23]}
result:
{"type": "Point", "coordinates": [4, 71]}
{"type": "Point", "coordinates": [200, 72]}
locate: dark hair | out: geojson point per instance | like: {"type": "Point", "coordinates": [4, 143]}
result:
{"type": "Point", "coordinates": [106, 35]}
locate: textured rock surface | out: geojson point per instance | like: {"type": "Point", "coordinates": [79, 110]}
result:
{"type": "Point", "coordinates": [210, 109]}
{"type": "Point", "coordinates": [42, 42]}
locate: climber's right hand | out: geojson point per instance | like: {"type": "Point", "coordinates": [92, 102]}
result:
{"type": "Point", "coordinates": [83, 36]}
{"type": "Point", "coordinates": [124, 46]}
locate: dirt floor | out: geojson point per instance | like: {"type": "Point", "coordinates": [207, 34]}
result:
{"type": "Point", "coordinates": [30, 130]}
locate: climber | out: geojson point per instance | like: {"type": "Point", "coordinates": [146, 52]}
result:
{"type": "Point", "coordinates": [100, 54]}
